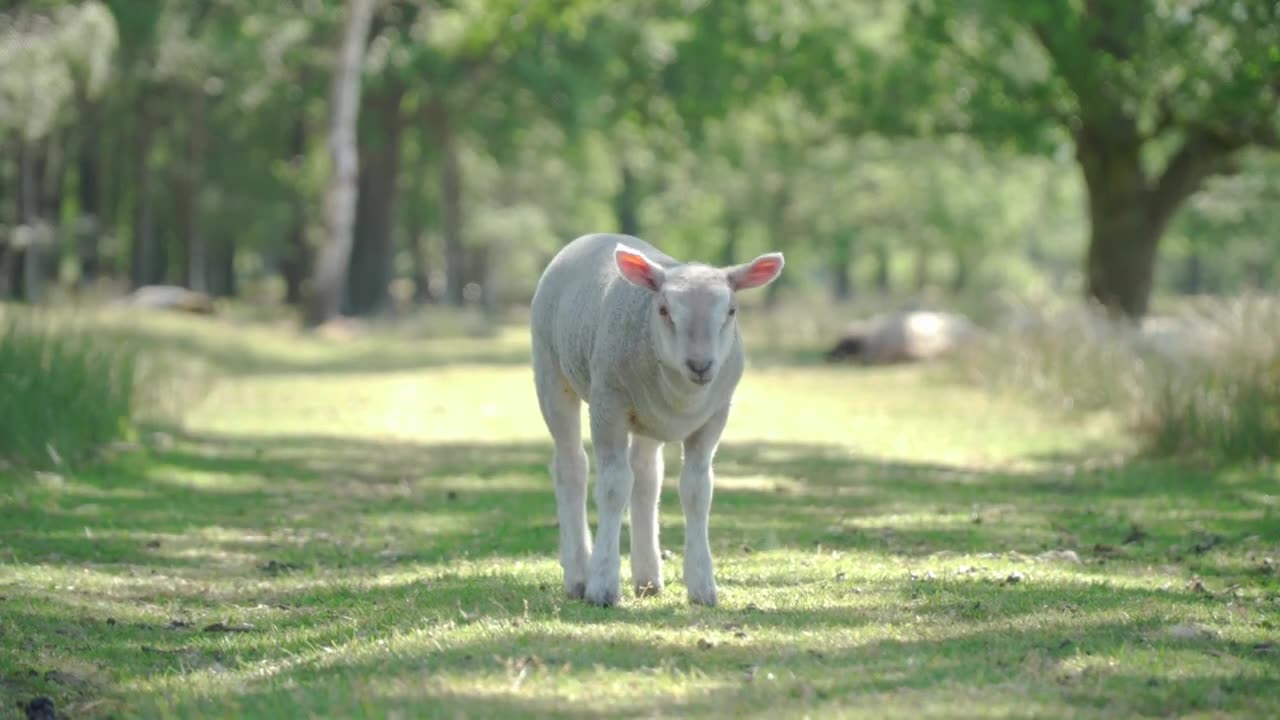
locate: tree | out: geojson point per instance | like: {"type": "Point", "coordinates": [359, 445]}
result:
{"type": "Point", "coordinates": [340, 200]}
{"type": "Point", "coordinates": [1156, 97]}
{"type": "Point", "coordinates": [57, 57]}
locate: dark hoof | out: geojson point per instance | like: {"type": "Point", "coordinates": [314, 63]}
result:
{"type": "Point", "coordinates": [603, 598]}
{"type": "Point", "coordinates": [577, 591]}
{"type": "Point", "coordinates": [41, 708]}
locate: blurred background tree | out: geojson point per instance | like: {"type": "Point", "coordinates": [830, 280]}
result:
{"type": "Point", "coordinates": [921, 151]}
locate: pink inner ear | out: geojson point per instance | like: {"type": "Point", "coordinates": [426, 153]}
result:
{"type": "Point", "coordinates": [636, 269]}
{"type": "Point", "coordinates": [759, 272]}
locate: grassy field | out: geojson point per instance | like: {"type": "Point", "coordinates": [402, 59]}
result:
{"type": "Point", "coordinates": [367, 528]}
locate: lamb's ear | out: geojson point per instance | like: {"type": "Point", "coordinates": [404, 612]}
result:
{"type": "Point", "coordinates": [638, 269]}
{"type": "Point", "coordinates": [757, 273]}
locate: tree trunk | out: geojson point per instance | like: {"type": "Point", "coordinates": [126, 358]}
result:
{"type": "Point", "coordinates": [1120, 264]}
{"type": "Point", "coordinates": [1123, 235]}
{"type": "Point", "coordinates": [89, 196]}
{"type": "Point", "coordinates": [922, 268]}
{"type": "Point", "coordinates": [960, 278]}
{"type": "Point", "coordinates": [23, 266]}
{"type": "Point", "coordinates": [340, 200]}
{"type": "Point", "coordinates": [47, 263]}
{"type": "Point", "coordinates": [145, 262]}
{"type": "Point", "coordinates": [883, 270]}
{"type": "Point", "coordinates": [451, 203]}
{"type": "Point", "coordinates": [8, 219]}
{"type": "Point", "coordinates": [627, 203]}
{"type": "Point", "coordinates": [297, 255]}
{"type": "Point", "coordinates": [21, 248]}
{"type": "Point", "coordinates": [842, 267]}
{"type": "Point", "coordinates": [115, 153]}
{"type": "Point", "coordinates": [189, 225]}
{"type": "Point", "coordinates": [222, 268]}
{"type": "Point", "coordinates": [1128, 212]}
{"type": "Point", "coordinates": [732, 233]}
{"type": "Point", "coordinates": [373, 250]}
{"type": "Point", "coordinates": [476, 272]}
{"type": "Point", "coordinates": [778, 233]}
{"type": "Point", "coordinates": [421, 266]}
{"type": "Point", "coordinates": [1193, 272]}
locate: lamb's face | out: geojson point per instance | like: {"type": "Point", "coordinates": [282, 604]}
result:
{"type": "Point", "coordinates": [695, 324]}
{"type": "Point", "coordinates": [695, 309]}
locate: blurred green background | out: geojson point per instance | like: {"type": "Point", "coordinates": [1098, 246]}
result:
{"type": "Point", "coordinates": [918, 150]}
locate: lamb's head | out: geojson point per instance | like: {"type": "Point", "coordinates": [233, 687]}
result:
{"type": "Point", "coordinates": [694, 314]}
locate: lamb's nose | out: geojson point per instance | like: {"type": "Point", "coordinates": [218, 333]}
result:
{"type": "Point", "coordinates": [699, 367]}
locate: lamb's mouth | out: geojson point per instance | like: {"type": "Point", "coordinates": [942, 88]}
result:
{"type": "Point", "coordinates": [701, 379]}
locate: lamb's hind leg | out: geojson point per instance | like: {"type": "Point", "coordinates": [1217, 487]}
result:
{"type": "Point", "coordinates": [562, 411]}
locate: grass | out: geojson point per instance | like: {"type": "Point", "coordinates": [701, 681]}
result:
{"type": "Point", "coordinates": [1202, 383]}
{"type": "Point", "coordinates": [63, 394]}
{"type": "Point", "coordinates": [367, 528]}
{"type": "Point", "coordinates": [1228, 403]}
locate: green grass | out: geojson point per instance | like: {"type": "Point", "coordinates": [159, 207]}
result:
{"type": "Point", "coordinates": [376, 516]}
{"type": "Point", "coordinates": [63, 394]}
{"type": "Point", "coordinates": [1204, 383]}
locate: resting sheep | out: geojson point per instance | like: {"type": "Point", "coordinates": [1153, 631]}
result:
{"type": "Point", "coordinates": [169, 297]}
{"type": "Point", "coordinates": [652, 345]}
{"type": "Point", "coordinates": [903, 337]}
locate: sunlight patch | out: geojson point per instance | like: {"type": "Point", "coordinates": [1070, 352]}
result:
{"type": "Point", "coordinates": [208, 482]}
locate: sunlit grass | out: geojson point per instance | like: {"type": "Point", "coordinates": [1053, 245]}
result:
{"type": "Point", "coordinates": [373, 521]}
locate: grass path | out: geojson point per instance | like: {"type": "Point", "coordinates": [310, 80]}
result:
{"type": "Point", "coordinates": [367, 529]}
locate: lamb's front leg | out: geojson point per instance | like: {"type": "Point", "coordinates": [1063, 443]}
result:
{"type": "Point", "coordinates": [696, 481]}
{"type": "Point", "coordinates": [646, 554]}
{"type": "Point", "coordinates": [611, 439]}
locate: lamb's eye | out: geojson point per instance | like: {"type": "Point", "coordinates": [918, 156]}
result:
{"type": "Point", "coordinates": [733, 311]}
{"type": "Point", "coordinates": [662, 310]}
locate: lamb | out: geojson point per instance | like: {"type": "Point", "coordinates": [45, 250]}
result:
{"type": "Point", "coordinates": [652, 345]}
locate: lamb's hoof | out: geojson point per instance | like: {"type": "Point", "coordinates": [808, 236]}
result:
{"type": "Point", "coordinates": [705, 597]}
{"type": "Point", "coordinates": [576, 590]}
{"type": "Point", "coordinates": [602, 596]}
{"type": "Point", "coordinates": [648, 589]}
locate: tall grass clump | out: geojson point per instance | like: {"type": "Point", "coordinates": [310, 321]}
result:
{"type": "Point", "coordinates": [1205, 381]}
{"type": "Point", "coordinates": [63, 393]}
{"type": "Point", "coordinates": [1225, 401]}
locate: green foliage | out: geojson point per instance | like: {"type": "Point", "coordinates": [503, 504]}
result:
{"type": "Point", "coordinates": [51, 60]}
{"type": "Point", "coordinates": [844, 133]}
{"type": "Point", "coordinates": [1152, 67]}
{"type": "Point", "coordinates": [63, 392]}
{"type": "Point", "coordinates": [1226, 239]}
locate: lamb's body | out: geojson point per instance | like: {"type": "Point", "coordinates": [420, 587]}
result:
{"type": "Point", "coordinates": [591, 325]}
{"type": "Point", "coordinates": [655, 352]}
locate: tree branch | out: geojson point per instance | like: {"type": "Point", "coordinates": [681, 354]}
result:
{"type": "Point", "coordinates": [1074, 54]}
{"type": "Point", "coordinates": [1202, 154]}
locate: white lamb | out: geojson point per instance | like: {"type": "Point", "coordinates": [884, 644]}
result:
{"type": "Point", "coordinates": [652, 345]}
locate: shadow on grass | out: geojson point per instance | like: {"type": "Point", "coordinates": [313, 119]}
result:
{"type": "Point", "coordinates": [354, 498]}
{"type": "Point", "coordinates": [417, 643]}
{"type": "Point", "coordinates": [332, 545]}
